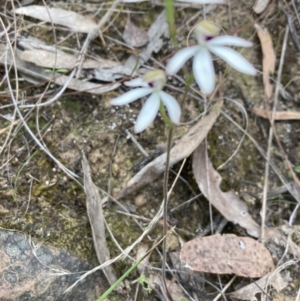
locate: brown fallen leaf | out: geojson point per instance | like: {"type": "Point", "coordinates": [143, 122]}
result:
{"type": "Point", "coordinates": [278, 115]}
{"type": "Point", "coordinates": [60, 59]}
{"type": "Point", "coordinates": [70, 19]}
{"type": "Point", "coordinates": [184, 148]}
{"type": "Point", "coordinates": [227, 203]}
{"type": "Point", "coordinates": [248, 292]}
{"type": "Point", "coordinates": [269, 58]}
{"type": "Point", "coordinates": [134, 36]}
{"type": "Point", "coordinates": [96, 218]}
{"type": "Point", "coordinates": [227, 254]}
{"type": "Point", "coordinates": [260, 6]}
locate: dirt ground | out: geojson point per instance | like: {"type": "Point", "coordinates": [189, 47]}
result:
{"type": "Point", "coordinates": [38, 198]}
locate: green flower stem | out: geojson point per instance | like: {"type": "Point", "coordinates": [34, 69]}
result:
{"type": "Point", "coordinates": [164, 116]}
{"type": "Point", "coordinates": [170, 12]}
{"type": "Point", "coordinates": [189, 80]}
{"type": "Point", "coordinates": [165, 210]}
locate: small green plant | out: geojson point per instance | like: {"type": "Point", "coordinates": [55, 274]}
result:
{"type": "Point", "coordinates": [144, 283]}
{"type": "Point", "coordinates": [297, 169]}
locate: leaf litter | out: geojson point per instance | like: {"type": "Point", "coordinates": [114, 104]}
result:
{"type": "Point", "coordinates": [227, 254]}
{"type": "Point", "coordinates": [36, 74]}
{"type": "Point", "coordinates": [250, 291]}
{"type": "Point", "coordinates": [31, 60]}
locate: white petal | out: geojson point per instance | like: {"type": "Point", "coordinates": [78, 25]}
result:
{"type": "Point", "coordinates": [148, 113]}
{"type": "Point", "coordinates": [234, 59]}
{"type": "Point", "coordinates": [179, 58]}
{"type": "Point", "coordinates": [136, 82]}
{"type": "Point", "coordinates": [204, 71]}
{"type": "Point", "coordinates": [204, 1]}
{"type": "Point", "coordinates": [130, 96]}
{"type": "Point", "coordinates": [172, 106]}
{"type": "Point", "coordinates": [229, 41]}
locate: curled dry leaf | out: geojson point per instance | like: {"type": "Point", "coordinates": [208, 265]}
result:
{"type": "Point", "coordinates": [228, 203]}
{"type": "Point", "coordinates": [227, 254]}
{"type": "Point", "coordinates": [260, 6]}
{"type": "Point", "coordinates": [70, 19]}
{"type": "Point", "coordinates": [186, 145]}
{"type": "Point", "coordinates": [278, 115]}
{"type": "Point", "coordinates": [269, 58]}
{"type": "Point", "coordinates": [134, 36]}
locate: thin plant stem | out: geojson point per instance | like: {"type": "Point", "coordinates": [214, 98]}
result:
{"type": "Point", "coordinates": [170, 14]}
{"type": "Point", "coordinates": [165, 208]}
{"type": "Point", "coordinates": [164, 116]}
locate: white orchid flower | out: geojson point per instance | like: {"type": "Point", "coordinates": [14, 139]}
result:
{"type": "Point", "coordinates": [208, 40]}
{"type": "Point", "coordinates": [152, 83]}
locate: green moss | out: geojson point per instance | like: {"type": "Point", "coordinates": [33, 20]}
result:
{"type": "Point", "coordinates": [68, 104]}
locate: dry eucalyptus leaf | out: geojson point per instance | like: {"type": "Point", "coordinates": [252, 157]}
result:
{"type": "Point", "coordinates": [96, 218]}
{"type": "Point", "coordinates": [278, 115]}
{"type": "Point", "coordinates": [227, 254]}
{"type": "Point", "coordinates": [60, 59]}
{"type": "Point", "coordinates": [249, 291]}
{"type": "Point", "coordinates": [227, 203]}
{"type": "Point", "coordinates": [70, 19]}
{"type": "Point", "coordinates": [269, 58]}
{"type": "Point", "coordinates": [260, 6]}
{"type": "Point", "coordinates": [185, 146]}
{"type": "Point", "coordinates": [158, 29]}
{"type": "Point", "coordinates": [134, 36]}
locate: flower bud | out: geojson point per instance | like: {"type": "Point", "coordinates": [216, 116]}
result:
{"type": "Point", "coordinates": [205, 31]}
{"type": "Point", "coordinates": [156, 79]}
